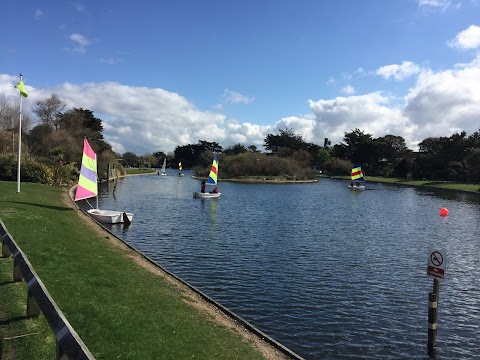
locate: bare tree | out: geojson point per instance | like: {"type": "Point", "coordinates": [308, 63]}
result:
{"type": "Point", "coordinates": [9, 118]}
{"type": "Point", "coordinates": [8, 113]}
{"type": "Point", "coordinates": [49, 110]}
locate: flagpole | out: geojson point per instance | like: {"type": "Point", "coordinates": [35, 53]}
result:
{"type": "Point", "coordinates": [19, 139]}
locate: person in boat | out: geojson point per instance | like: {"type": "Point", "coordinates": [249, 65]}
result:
{"type": "Point", "coordinates": [203, 187]}
{"type": "Point", "coordinates": [214, 191]}
{"type": "Point", "coordinates": [357, 184]}
{"type": "Point", "coordinates": [351, 183]}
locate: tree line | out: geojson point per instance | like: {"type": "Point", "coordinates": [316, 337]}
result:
{"type": "Point", "coordinates": [53, 148]}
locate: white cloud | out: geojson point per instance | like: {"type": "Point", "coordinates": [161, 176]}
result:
{"type": "Point", "coordinates": [349, 89]}
{"type": "Point", "coordinates": [234, 97]}
{"type": "Point", "coordinates": [441, 5]}
{"type": "Point", "coordinates": [38, 14]}
{"type": "Point", "coordinates": [372, 113]}
{"type": "Point", "coordinates": [81, 42]}
{"type": "Point", "coordinates": [467, 39]}
{"type": "Point", "coordinates": [110, 60]}
{"type": "Point", "coordinates": [445, 102]}
{"type": "Point", "coordinates": [145, 120]}
{"type": "Point", "coordinates": [398, 72]}
{"type": "Point", "coordinates": [79, 7]}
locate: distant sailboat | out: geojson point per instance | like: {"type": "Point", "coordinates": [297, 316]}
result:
{"type": "Point", "coordinates": [180, 167]}
{"type": "Point", "coordinates": [357, 181]}
{"type": "Point", "coordinates": [88, 188]}
{"type": "Point", "coordinates": [164, 167]}
{"type": "Point", "coordinates": [212, 180]}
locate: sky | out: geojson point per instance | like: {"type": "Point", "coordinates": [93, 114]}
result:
{"type": "Point", "coordinates": [161, 74]}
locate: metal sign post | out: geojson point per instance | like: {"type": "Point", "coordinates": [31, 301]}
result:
{"type": "Point", "coordinates": [435, 269]}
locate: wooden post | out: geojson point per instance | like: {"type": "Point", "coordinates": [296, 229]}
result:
{"type": "Point", "coordinates": [17, 272]}
{"type": "Point", "coordinates": [32, 306]}
{"type": "Point", "coordinates": [5, 250]}
{"type": "Point", "coordinates": [433, 318]}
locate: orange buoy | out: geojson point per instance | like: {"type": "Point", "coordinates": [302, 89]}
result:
{"type": "Point", "coordinates": [443, 212]}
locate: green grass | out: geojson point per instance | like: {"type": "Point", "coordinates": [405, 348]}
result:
{"type": "Point", "coordinates": [434, 184]}
{"type": "Point", "coordinates": [119, 309]}
{"type": "Point", "coordinates": [137, 171]}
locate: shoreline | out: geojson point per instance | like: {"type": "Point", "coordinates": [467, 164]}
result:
{"type": "Point", "coordinates": [267, 346]}
{"type": "Point", "coordinates": [439, 185]}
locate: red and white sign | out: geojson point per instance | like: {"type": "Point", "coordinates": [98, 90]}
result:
{"type": "Point", "coordinates": [436, 264]}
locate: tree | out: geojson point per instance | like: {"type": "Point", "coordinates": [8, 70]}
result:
{"type": "Point", "coordinates": [390, 147]}
{"type": "Point", "coordinates": [286, 139]}
{"type": "Point", "coordinates": [235, 150]}
{"type": "Point", "coordinates": [322, 156]}
{"type": "Point", "coordinates": [81, 123]}
{"type": "Point", "coordinates": [190, 155]}
{"type": "Point", "coordinates": [49, 110]}
{"type": "Point", "coordinates": [130, 159]}
{"type": "Point", "coordinates": [359, 147]}
{"type": "Point", "coordinates": [37, 139]}
{"type": "Point", "coordinates": [8, 113]}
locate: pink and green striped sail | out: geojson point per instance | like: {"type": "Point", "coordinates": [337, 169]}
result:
{"type": "Point", "coordinates": [87, 183]}
{"type": "Point", "coordinates": [212, 177]}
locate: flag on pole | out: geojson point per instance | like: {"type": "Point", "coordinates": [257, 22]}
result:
{"type": "Point", "coordinates": [20, 86]}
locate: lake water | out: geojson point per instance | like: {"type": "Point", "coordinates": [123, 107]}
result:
{"type": "Point", "coordinates": [329, 272]}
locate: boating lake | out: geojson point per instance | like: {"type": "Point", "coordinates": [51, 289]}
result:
{"type": "Point", "coordinates": [329, 272]}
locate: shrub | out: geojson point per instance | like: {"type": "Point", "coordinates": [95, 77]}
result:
{"type": "Point", "coordinates": [30, 170]}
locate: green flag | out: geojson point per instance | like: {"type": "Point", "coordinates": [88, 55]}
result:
{"type": "Point", "coordinates": [22, 89]}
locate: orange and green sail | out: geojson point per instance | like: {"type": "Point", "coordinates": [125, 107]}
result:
{"type": "Point", "coordinates": [357, 174]}
{"type": "Point", "coordinates": [212, 177]}
{"type": "Point", "coordinates": [180, 167]}
{"type": "Point", "coordinates": [87, 183]}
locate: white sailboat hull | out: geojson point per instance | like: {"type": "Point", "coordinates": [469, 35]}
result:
{"type": "Point", "coordinates": [207, 195]}
{"type": "Point", "coordinates": [110, 216]}
{"type": "Point", "coordinates": [359, 187]}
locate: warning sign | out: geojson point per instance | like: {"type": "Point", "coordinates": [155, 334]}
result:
{"type": "Point", "coordinates": [436, 264]}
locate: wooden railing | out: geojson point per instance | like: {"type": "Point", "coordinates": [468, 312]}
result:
{"type": "Point", "coordinates": [68, 343]}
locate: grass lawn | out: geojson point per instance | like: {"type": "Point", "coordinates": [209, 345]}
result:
{"type": "Point", "coordinates": [119, 309]}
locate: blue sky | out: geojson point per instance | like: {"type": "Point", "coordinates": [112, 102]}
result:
{"type": "Point", "coordinates": [167, 73]}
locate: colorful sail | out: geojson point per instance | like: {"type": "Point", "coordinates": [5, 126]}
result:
{"type": "Point", "coordinates": [180, 166]}
{"type": "Point", "coordinates": [87, 183]}
{"type": "Point", "coordinates": [212, 177]}
{"type": "Point", "coordinates": [357, 174]}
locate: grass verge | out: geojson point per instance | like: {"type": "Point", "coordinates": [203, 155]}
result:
{"type": "Point", "coordinates": [136, 171]}
{"type": "Point", "coordinates": [118, 308]}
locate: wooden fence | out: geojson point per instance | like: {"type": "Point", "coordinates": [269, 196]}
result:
{"type": "Point", "coordinates": [68, 343]}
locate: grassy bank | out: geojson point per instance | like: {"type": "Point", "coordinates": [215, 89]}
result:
{"type": "Point", "coordinates": [423, 183]}
{"type": "Point", "coordinates": [137, 171]}
{"type": "Point", "coordinates": [120, 309]}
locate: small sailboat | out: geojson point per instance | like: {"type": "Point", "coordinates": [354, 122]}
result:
{"type": "Point", "coordinates": [88, 188]}
{"type": "Point", "coordinates": [212, 181]}
{"type": "Point", "coordinates": [164, 167]}
{"type": "Point", "coordinates": [180, 167]}
{"type": "Point", "coordinates": [357, 181]}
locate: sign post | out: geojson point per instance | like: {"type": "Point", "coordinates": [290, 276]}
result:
{"type": "Point", "coordinates": [435, 269]}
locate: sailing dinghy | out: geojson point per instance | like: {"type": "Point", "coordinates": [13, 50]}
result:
{"type": "Point", "coordinates": [180, 167]}
{"type": "Point", "coordinates": [357, 181]}
{"type": "Point", "coordinates": [88, 188]}
{"type": "Point", "coordinates": [164, 168]}
{"type": "Point", "coordinates": [212, 181]}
